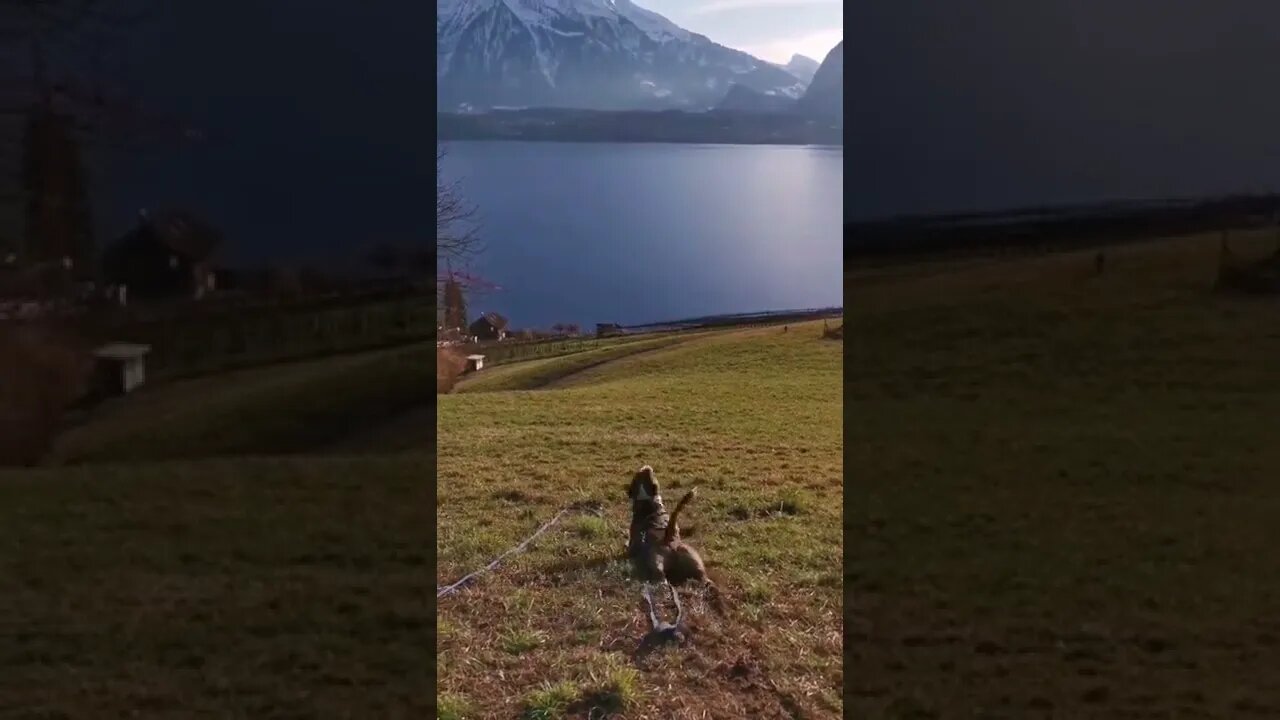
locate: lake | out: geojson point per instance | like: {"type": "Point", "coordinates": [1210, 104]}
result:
{"type": "Point", "coordinates": [634, 233]}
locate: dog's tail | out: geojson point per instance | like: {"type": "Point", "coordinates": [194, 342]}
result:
{"type": "Point", "coordinates": [675, 514]}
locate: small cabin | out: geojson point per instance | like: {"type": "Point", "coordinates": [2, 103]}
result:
{"type": "Point", "coordinates": [167, 256]}
{"type": "Point", "coordinates": [474, 363]}
{"type": "Point", "coordinates": [121, 367]}
{"type": "Point", "coordinates": [489, 326]}
{"type": "Point", "coordinates": [608, 329]}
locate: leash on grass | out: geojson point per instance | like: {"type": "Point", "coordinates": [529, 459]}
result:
{"type": "Point", "coordinates": [588, 508]}
{"type": "Point", "coordinates": [659, 628]}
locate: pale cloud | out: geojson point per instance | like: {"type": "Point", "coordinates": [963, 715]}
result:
{"type": "Point", "coordinates": [718, 6]}
{"type": "Point", "coordinates": [815, 45]}
{"type": "Point", "coordinates": [769, 29]}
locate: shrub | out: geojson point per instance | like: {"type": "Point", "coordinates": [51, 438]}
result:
{"type": "Point", "coordinates": [449, 367]}
{"type": "Point", "coordinates": [42, 373]}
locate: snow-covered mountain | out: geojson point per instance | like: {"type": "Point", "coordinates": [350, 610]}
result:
{"type": "Point", "coordinates": [593, 54]}
{"type": "Point", "coordinates": [802, 67]}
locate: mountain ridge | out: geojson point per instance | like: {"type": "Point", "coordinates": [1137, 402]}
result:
{"type": "Point", "coordinates": [802, 66]}
{"type": "Point", "coordinates": [588, 54]}
{"type": "Point", "coordinates": [824, 98]}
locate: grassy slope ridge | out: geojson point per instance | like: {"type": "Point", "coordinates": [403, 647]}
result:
{"type": "Point", "coordinates": [543, 373]}
{"type": "Point", "coordinates": [1065, 490]}
{"type": "Point", "coordinates": [753, 418]}
{"type": "Point", "coordinates": [290, 408]}
{"type": "Point", "coordinates": [158, 577]}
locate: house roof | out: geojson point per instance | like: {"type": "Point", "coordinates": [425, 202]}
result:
{"type": "Point", "coordinates": [496, 321]}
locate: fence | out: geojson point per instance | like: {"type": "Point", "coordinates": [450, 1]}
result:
{"type": "Point", "coordinates": [504, 351]}
{"type": "Point", "coordinates": [241, 335]}
{"type": "Point", "coordinates": [514, 350]}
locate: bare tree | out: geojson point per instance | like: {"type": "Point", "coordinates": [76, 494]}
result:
{"type": "Point", "coordinates": [457, 243]}
{"type": "Point", "coordinates": [54, 101]}
{"type": "Point", "coordinates": [457, 233]}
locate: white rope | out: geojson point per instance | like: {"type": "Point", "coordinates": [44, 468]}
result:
{"type": "Point", "coordinates": [577, 507]}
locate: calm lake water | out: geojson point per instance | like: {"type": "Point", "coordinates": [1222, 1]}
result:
{"type": "Point", "coordinates": [634, 233]}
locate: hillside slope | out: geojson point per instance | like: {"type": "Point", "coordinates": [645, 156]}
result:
{"type": "Point", "coordinates": [753, 419]}
{"type": "Point", "coordinates": [207, 555]}
{"type": "Point", "coordinates": [824, 98]}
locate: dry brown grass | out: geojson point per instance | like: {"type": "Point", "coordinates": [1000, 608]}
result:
{"type": "Point", "coordinates": [449, 367]}
{"type": "Point", "coordinates": [43, 373]}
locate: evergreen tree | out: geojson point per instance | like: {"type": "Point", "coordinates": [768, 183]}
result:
{"type": "Point", "coordinates": [455, 304]}
{"type": "Point", "coordinates": [58, 216]}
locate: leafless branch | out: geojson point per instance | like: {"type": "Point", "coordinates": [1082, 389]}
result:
{"type": "Point", "coordinates": [457, 231]}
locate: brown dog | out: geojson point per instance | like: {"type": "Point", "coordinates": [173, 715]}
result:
{"type": "Point", "coordinates": [654, 544]}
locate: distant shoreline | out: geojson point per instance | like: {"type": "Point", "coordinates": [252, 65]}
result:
{"type": "Point", "coordinates": [709, 143]}
{"type": "Point", "coordinates": [746, 318]}
{"type": "Point", "coordinates": [713, 127]}
{"type": "Point", "coordinates": [703, 322]}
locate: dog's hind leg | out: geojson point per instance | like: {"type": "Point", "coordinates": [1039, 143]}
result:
{"type": "Point", "coordinates": [675, 598]}
{"type": "Point", "coordinates": [648, 599]}
{"type": "Point", "coordinates": [670, 631]}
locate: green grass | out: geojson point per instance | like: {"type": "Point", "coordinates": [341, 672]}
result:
{"type": "Point", "coordinates": [607, 690]}
{"type": "Point", "coordinates": [519, 642]}
{"type": "Point", "coordinates": [1062, 489]}
{"type": "Point", "coordinates": [752, 418]}
{"type": "Point", "coordinates": [452, 707]}
{"type": "Point", "coordinates": [551, 702]}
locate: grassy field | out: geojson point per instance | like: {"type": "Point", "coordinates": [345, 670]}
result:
{"type": "Point", "coordinates": [264, 588]}
{"type": "Point", "coordinates": [750, 417]}
{"type": "Point", "coordinates": [209, 553]}
{"type": "Point", "coordinates": [1063, 489]}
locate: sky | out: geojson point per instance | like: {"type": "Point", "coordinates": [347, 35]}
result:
{"type": "Point", "coordinates": [1004, 103]}
{"type": "Point", "coordinates": [771, 30]}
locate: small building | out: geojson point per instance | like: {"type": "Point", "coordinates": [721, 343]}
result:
{"type": "Point", "coordinates": [475, 363]}
{"type": "Point", "coordinates": [120, 367]}
{"type": "Point", "coordinates": [489, 326]}
{"type": "Point", "coordinates": [167, 256]}
{"type": "Point", "coordinates": [608, 329]}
